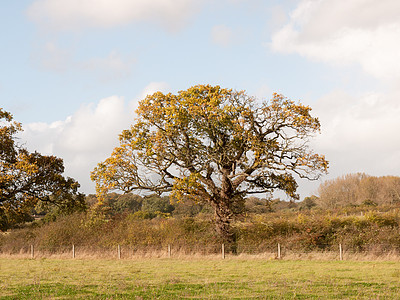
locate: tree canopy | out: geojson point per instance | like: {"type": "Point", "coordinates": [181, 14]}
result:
{"type": "Point", "coordinates": [27, 178]}
{"type": "Point", "coordinates": [359, 189]}
{"type": "Point", "coordinates": [214, 145]}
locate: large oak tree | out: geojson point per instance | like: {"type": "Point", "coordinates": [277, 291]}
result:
{"type": "Point", "coordinates": [27, 178]}
{"type": "Point", "coordinates": [214, 145]}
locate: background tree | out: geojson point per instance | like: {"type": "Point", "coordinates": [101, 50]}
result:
{"type": "Point", "coordinates": [128, 203]}
{"type": "Point", "coordinates": [214, 145]}
{"type": "Point", "coordinates": [258, 206]}
{"type": "Point", "coordinates": [358, 189]}
{"type": "Point", "coordinates": [27, 178]}
{"type": "Point", "coordinates": [341, 191]}
{"type": "Point", "coordinates": [156, 204]}
{"type": "Point", "coordinates": [309, 202]}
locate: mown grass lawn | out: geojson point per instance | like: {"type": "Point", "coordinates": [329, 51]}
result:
{"type": "Point", "coordinates": [233, 278]}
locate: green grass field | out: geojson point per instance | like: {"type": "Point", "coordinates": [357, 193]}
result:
{"type": "Point", "coordinates": [203, 278]}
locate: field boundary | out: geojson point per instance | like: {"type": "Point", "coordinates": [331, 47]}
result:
{"type": "Point", "coordinates": [119, 252]}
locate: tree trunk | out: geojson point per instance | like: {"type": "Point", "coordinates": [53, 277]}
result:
{"type": "Point", "coordinates": [224, 212]}
{"type": "Point", "coordinates": [223, 219]}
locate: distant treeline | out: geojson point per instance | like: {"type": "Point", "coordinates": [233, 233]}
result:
{"type": "Point", "coordinates": [358, 189]}
{"type": "Point", "coordinates": [153, 205]}
{"type": "Point", "coordinates": [356, 210]}
{"type": "Point", "coordinates": [350, 190]}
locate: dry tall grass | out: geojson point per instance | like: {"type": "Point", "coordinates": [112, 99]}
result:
{"type": "Point", "coordinates": [314, 235]}
{"type": "Point", "coordinates": [87, 253]}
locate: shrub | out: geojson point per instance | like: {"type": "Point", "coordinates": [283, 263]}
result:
{"type": "Point", "coordinates": [314, 230]}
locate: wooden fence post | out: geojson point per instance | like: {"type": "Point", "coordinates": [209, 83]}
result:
{"type": "Point", "coordinates": [73, 251]}
{"type": "Point", "coordinates": [32, 252]}
{"type": "Point", "coordinates": [223, 251]}
{"type": "Point", "coordinates": [119, 251]}
{"type": "Point", "coordinates": [279, 251]}
{"type": "Point", "coordinates": [169, 250]}
{"type": "Point", "coordinates": [340, 252]}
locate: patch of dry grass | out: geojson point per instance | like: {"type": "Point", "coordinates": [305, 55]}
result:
{"type": "Point", "coordinates": [128, 253]}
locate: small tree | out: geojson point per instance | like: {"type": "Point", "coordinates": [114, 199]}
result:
{"type": "Point", "coordinates": [27, 178]}
{"type": "Point", "coordinates": [156, 204]}
{"type": "Point", "coordinates": [214, 145]}
{"type": "Point", "coordinates": [309, 202]}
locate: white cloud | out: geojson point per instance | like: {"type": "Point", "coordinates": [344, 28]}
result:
{"type": "Point", "coordinates": [359, 132]}
{"type": "Point", "coordinates": [222, 35]}
{"type": "Point", "coordinates": [109, 68]}
{"type": "Point", "coordinates": [277, 17]}
{"type": "Point", "coordinates": [51, 57]}
{"type": "Point", "coordinates": [226, 36]}
{"type": "Point", "coordinates": [78, 14]}
{"type": "Point", "coordinates": [365, 128]}
{"type": "Point", "coordinates": [365, 32]}
{"type": "Point", "coordinates": [83, 139]}
{"type": "Point", "coordinates": [153, 87]}
{"type": "Point", "coordinates": [88, 136]}
{"type": "Point", "coordinates": [264, 91]}
{"type": "Point", "coordinates": [113, 67]}
{"type": "Point", "coordinates": [90, 128]}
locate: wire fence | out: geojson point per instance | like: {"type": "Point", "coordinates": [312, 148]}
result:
{"type": "Point", "coordinates": [267, 251]}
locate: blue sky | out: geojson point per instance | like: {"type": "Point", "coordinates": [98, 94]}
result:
{"type": "Point", "coordinates": [72, 71]}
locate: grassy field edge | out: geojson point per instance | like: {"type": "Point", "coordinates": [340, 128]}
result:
{"type": "Point", "coordinates": [209, 278]}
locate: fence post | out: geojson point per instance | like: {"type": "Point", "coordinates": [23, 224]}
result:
{"type": "Point", "coordinates": [32, 252]}
{"type": "Point", "coordinates": [73, 251]}
{"type": "Point", "coordinates": [169, 250]}
{"type": "Point", "coordinates": [279, 251]}
{"type": "Point", "coordinates": [223, 251]}
{"type": "Point", "coordinates": [340, 252]}
{"type": "Point", "coordinates": [119, 251]}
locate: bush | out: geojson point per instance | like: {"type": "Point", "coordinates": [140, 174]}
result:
{"type": "Point", "coordinates": [314, 230]}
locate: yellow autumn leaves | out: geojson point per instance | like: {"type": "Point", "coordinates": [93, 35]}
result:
{"type": "Point", "coordinates": [187, 142]}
